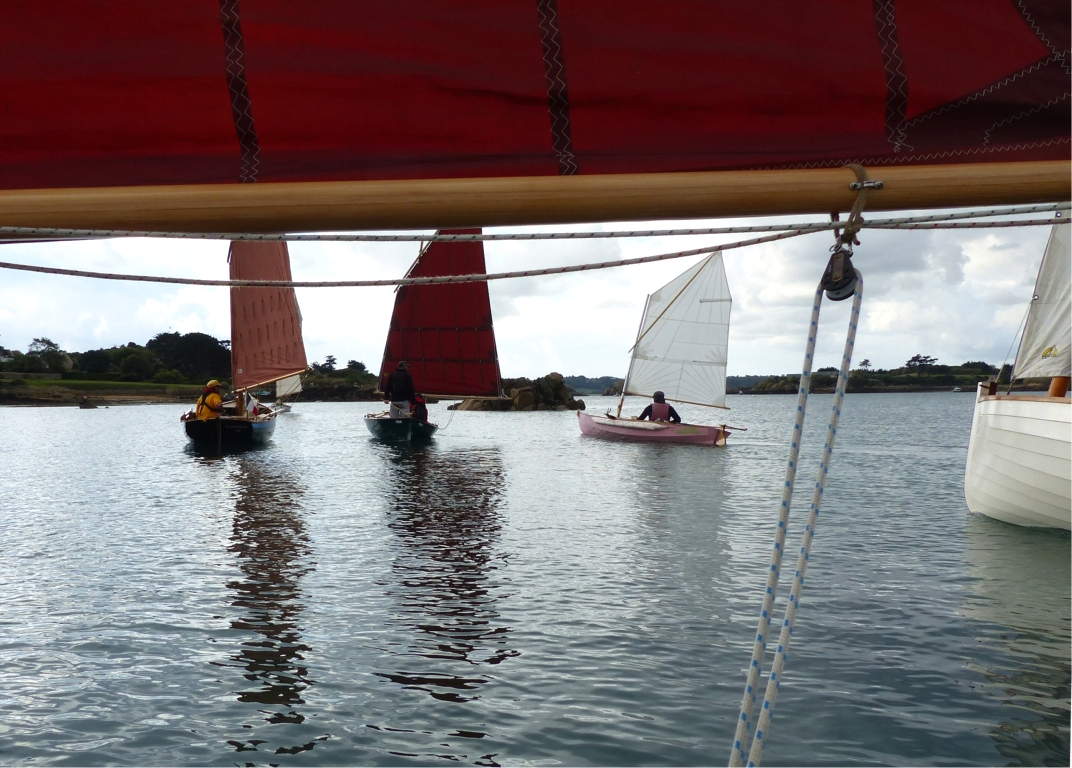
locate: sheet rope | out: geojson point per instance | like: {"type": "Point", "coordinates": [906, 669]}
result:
{"type": "Point", "coordinates": [409, 237]}
{"type": "Point", "coordinates": [745, 747]}
{"type": "Point", "coordinates": [485, 277]}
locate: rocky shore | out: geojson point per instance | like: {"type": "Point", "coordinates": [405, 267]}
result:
{"type": "Point", "coordinates": [547, 393]}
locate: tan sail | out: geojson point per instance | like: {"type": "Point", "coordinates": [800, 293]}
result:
{"type": "Point", "coordinates": [266, 337]}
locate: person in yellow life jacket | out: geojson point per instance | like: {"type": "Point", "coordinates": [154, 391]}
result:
{"type": "Point", "coordinates": [210, 404]}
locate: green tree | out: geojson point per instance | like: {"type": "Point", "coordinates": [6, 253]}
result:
{"type": "Point", "coordinates": [138, 364]}
{"type": "Point", "coordinates": [49, 353]}
{"type": "Point", "coordinates": [865, 365]}
{"type": "Point", "coordinates": [919, 363]}
{"type": "Point", "coordinates": [197, 356]}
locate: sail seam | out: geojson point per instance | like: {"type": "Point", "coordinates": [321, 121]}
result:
{"type": "Point", "coordinates": [557, 92]}
{"type": "Point", "coordinates": [896, 81]}
{"type": "Point", "coordinates": [1034, 26]}
{"type": "Point", "coordinates": [985, 91]}
{"type": "Point", "coordinates": [878, 161]}
{"type": "Point", "coordinates": [1025, 113]}
{"type": "Point", "coordinates": [241, 107]}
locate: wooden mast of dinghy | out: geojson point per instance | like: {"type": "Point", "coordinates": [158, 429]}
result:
{"type": "Point", "coordinates": [527, 200]}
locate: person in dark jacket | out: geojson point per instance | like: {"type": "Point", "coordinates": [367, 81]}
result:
{"type": "Point", "coordinates": [660, 410]}
{"type": "Point", "coordinates": [399, 391]}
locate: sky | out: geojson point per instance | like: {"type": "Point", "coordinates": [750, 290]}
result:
{"type": "Point", "coordinates": [956, 295]}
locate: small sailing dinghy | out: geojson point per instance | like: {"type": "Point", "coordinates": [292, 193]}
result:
{"type": "Point", "coordinates": [681, 351]}
{"type": "Point", "coordinates": [286, 392]}
{"type": "Point", "coordinates": [445, 334]}
{"type": "Point", "coordinates": [266, 346]}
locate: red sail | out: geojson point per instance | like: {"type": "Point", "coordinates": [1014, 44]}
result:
{"type": "Point", "coordinates": [266, 337]}
{"type": "Point", "coordinates": [445, 332]}
{"type": "Point", "coordinates": [129, 92]}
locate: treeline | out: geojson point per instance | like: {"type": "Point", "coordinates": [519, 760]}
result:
{"type": "Point", "coordinates": [921, 372]}
{"type": "Point", "coordinates": [167, 358]}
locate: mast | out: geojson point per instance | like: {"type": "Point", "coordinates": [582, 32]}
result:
{"type": "Point", "coordinates": [527, 200]}
{"type": "Point", "coordinates": [640, 330]}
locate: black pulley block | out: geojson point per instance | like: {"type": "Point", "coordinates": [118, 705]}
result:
{"type": "Point", "coordinates": [839, 277]}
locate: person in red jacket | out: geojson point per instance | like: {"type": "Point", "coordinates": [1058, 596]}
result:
{"type": "Point", "coordinates": [660, 410]}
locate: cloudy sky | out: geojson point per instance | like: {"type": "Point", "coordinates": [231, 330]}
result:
{"type": "Point", "coordinates": [956, 295]}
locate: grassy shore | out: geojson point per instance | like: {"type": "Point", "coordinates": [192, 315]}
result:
{"type": "Point", "coordinates": [71, 392]}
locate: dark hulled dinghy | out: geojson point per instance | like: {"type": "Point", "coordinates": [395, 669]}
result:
{"type": "Point", "coordinates": [266, 346]}
{"type": "Point", "coordinates": [445, 334]}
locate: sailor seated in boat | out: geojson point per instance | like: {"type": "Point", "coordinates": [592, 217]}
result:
{"type": "Point", "coordinates": [660, 410]}
{"type": "Point", "coordinates": [399, 391]}
{"type": "Point", "coordinates": [420, 409]}
{"type": "Point", "coordinates": [210, 404]}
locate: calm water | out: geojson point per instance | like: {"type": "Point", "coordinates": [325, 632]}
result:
{"type": "Point", "coordinates": [513, 594]}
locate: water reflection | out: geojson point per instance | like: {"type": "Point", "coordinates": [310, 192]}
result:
{"type": "Point", "coordinates": [1021, 594]}
{"type": "Point", "coordinates": [270, 542]}
{"type": "Point", "coordinates": [444, 509]}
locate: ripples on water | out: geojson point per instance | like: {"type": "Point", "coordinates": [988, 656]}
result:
{"type": "Point", "coordinates": [512, 594]}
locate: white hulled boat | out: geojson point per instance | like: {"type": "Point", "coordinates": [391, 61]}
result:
{"type": "Point", "coordinates": [1019, 466]}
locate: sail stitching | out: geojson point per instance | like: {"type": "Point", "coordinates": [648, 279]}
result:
{"type": "Point", "coordinates": [985, 91]}
{"type": "Point", "coordinates": [896, 81]}
{"type": "Point", "coordinates": [873, 161]}
{"type": "Point", "coordinates": [1034, 26]}
{"type": "Point", "coordinates": [557, 92]}
{"type": "Point", "coordinates": [1025, 113]}
{"type": "Point", "coordinates": [241, 107]}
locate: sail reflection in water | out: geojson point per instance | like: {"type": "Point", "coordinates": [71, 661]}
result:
{"type": "Point", "coordinates": [444, 509]}
{"type": "Point", "coordinates": [269, 540]}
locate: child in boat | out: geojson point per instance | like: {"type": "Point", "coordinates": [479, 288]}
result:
{"type": "Point", "coordinates": [660, 410]}
{"type": "Point", "coordinates": [420, 409]}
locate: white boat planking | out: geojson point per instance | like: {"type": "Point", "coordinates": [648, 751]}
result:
{"type": "Point", "coordinates": [1019, 466]}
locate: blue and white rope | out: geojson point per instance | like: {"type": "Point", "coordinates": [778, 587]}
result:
{"type": "Point", "coordinates": [755, 753]}
{"type": "Point", "coordinates": [748, 704]}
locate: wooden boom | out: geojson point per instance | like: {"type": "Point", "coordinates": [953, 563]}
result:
{"type": "Point", "coordinates": [527, 200]}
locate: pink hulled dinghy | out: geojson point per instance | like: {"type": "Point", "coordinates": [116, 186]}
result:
{"type": "Point", "coordinates": [613, 428]}
{"type": "Point", "coordinates": [680, 352]}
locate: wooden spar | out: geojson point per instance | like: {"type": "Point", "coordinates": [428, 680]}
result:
{"type": "Point", "coordinates": [527, 200]}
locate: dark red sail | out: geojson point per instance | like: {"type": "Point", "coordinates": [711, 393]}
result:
{"type": "Point", "coordinates": [445, 332]}
{"type": "Point", "coordinates": [129, 92]}
{"type": "Point", "coordinates": [266, 337]}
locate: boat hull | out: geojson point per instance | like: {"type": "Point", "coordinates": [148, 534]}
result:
{"type": "Point", "coordinates": [229, 431]}
{"type": "Point", "coordinates": [610, 428]}
{"type": "Point", "coordinates": [406, 429]}
{"type": "Point", "coordinates": [1019, 466]}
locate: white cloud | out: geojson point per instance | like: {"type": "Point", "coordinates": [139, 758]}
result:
{"type": "Point", "coordinates": [956, 295]}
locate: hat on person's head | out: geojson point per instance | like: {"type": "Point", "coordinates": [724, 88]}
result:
{"type": "Point", "coordinates": [658, 396]}
{"type": "Point", "coordinates": [212, 384]}
{"type": "Point", "coordinates": [402, 364]}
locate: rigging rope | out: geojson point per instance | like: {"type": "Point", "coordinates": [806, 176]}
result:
{"type": "Point", "coordinates": [483, 277]}
{"type": "Point", "coordinates": [82, 234]}
{"type": "Point", "coordinates": [741, 747]}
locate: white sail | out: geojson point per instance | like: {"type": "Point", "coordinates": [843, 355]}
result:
{"type": "Point", "coordinates": [1046, 349]}
{"type": "Point", "coordinates": [291, 385]}
{"type": "Point", "coordinates": [681, 347]}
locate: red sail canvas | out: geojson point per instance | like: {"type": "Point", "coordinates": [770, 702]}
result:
{"type": "Point", "coordinates": [445, 332]}
{"type": "Point", "coordinates": [266, 337]}
{"type": "Point", "coordinates": [217, 91]}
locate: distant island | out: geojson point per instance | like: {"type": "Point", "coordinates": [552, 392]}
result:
{"type": "Point", "coordinates": [174, 367]}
